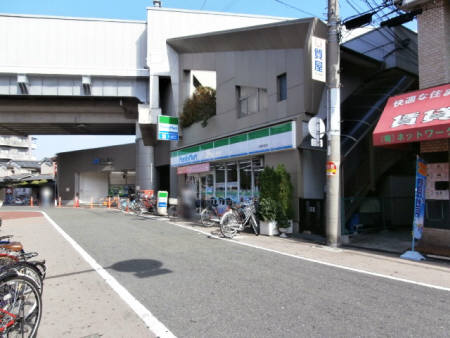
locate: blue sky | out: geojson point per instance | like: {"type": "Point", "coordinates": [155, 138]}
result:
{"type": "Point", "coordinates": [135, 10]}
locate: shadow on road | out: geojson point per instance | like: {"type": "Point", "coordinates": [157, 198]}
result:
{"type": "Point", "coordinates": [142, 268]}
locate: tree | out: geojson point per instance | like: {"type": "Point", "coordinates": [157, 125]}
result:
{"type": "Point", "coordinates": [200, 107]}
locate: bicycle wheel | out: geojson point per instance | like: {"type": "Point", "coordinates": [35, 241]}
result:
{"type": "Point", "coordinates": [206, 217]}
{"type": "Point", "coordinates": [138, 208]}
{"type": "Point", "coordinates": [229, 224]}
{"type": "Point", "coordinates": [40, 265]}
{"type": "Point", "coordinates": [29, 270]}
{"type": "Point", "coordinates": [20, 306]}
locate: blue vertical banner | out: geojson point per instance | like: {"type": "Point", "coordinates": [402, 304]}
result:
{"type": "Point", "coordinates": [419, 201]}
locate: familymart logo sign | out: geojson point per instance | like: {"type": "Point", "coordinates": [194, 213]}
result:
{"type": "Point", "coordinates": [275, 138]}
{"type": "Point", "coordinates": [167, 128]}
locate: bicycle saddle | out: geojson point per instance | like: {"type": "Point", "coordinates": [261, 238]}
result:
{"type": "Point", "coordinates": [12, 246]}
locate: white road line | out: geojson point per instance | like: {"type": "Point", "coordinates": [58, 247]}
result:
{"type": "Point", "coordinates": [153, 324]}
{"type": "Point", "coordinates": [343, 267]}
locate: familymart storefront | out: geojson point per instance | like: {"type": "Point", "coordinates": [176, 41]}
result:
{"type": "Point", "coordinates": [229, 168]}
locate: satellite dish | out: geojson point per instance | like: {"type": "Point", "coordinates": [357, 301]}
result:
{"type": "Point", "coordinates": [316, 127]}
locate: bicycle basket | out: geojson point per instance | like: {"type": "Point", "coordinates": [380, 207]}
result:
{"type": "Point", "coordinates": [249, 210]}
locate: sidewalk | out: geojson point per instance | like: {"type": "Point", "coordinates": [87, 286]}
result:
{"type": "Point", "coordinates": [434, 273]}
{"type": "Point", "coordinates": [77, 302]}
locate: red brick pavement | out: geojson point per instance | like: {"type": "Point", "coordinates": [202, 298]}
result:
{"type": "Point", "coordinates": [19, 214]}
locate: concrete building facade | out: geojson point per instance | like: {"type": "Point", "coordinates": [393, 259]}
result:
{"type": "Point", "coordinates": [16, 148]}
{"type": "Point", "coordinates": [93, 174]}
{"type": "Point", "coordinates": [265, 98]}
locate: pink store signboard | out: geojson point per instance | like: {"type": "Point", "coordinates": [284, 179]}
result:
{"type": "Point", "coordinates": [194, 169]}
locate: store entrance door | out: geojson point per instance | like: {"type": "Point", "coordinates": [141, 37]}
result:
{"type": "Point", "coordinates": [204, 188]}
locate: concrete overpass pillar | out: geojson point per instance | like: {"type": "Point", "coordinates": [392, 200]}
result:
{"type": "Point", "coordinates": [145, 163]}
{"type": "Point", "coordinates": [145, 154]}
{"type": "Point", "coordinates": [154, 92]}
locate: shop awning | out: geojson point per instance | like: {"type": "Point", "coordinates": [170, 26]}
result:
{"type": "Point", "coordinates": [415, 116]}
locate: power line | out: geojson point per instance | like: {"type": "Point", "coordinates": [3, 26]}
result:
{"type": "Point", "coordinates": [352, 6]}
{"type": "Point", "coordinates": [229, 5]}
{"type": "Point", "coordinates": [389, 31]}
{"type": "Point", "coordinates": [204, 3]}
{"type": "Point", "coordinates": [296, 8]}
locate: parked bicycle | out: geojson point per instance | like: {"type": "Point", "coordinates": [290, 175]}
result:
{"type": "Point", "coordinates": [21, 283]}
{"type": "Point", "coordinates": [237, 218]}
{"type": "Point", "coordinates": [213, 211]}
{"type": "Point", "coordinates": [148, 203]}
{"type": "Point", "coordinates": [13, 257]}
{"type": "Point", "coordinates": [20, 305]}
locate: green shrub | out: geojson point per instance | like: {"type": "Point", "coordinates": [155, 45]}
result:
{"type": "Point", "coordinates": [269, 182]}
{"type": "Point", "coordinates": [284, 195]}
{"type": "Point", "coordinates": [275, 184]}
{"type": "Point", "coordinates": [267, 209]}
{"type": "Point", "coordinates": [200, 107]}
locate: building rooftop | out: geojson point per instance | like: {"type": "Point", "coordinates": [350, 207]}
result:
{"type": "Point", "coordinates": [27, 164]}
{"type": "Point", "coordinates": [37, 16]}
{"type": "Point", "coordinates": [165, 9]}
{"type": "Point", "coordinates": [278, 35]}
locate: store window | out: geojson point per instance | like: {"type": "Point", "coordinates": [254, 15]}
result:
{"type": "Point", "coordinates": [207, 187]}
{"type": "Point", "coordinates": [245, 178]}
{"type": "Point", "coordinates": [257, 167]}
{"type": "Point", "coordinates": [220, 180]}
{"type": "Point", "coordinates": [232, 182]}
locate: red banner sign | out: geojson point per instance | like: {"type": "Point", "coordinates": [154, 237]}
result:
{"type": "Point", "coordinates": [415, 116]}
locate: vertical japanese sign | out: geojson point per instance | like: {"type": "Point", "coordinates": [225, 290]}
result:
{"type": "Point", "coordinates": [419, 201]}
{"type": "Point", "coordinates": [167, 128]}
{"type": "Point", "coordinates": [318, 57]}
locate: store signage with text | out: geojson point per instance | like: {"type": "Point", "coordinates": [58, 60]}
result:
{"type": "Point", "coordinates": [318, 56]}
{"type": "Point", "coordinates": [416, 116]}
{"type": "Point", "coordinates": [275, 138]}
{"type": "Point", "coordinates": [167, 128]}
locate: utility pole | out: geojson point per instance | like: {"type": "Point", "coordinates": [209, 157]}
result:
{"type": "Point", "coordinates": [333, 174]}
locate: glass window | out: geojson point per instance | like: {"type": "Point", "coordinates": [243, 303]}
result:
{"type": "Point", "coordinates": [220, 180]}
{"type": "Point", "coordinates": [251, 100]}
{"type": "Point", "coordinates": [245, 177]}
{"type": "Point", "coordinates": [232, 182]}
{"type": "Point", "coordinates": [282, 87]}
{"type": "Point", "coordinates": [207, 187]}
{"type": "Point", "coordinates": [257, 167]}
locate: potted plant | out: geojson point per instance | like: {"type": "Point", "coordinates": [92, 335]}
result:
{"type": "Point", "coordinates": [267, 209]}
{"type": "Point", "coordinates": [267, 212]}
{"type": "Point", "coordinates": [284, 198]}
{"type": "Point", "coordinates": [275, 200]}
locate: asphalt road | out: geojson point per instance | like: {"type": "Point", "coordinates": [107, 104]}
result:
{"type": "Point", "coordinates": [204, 287]}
